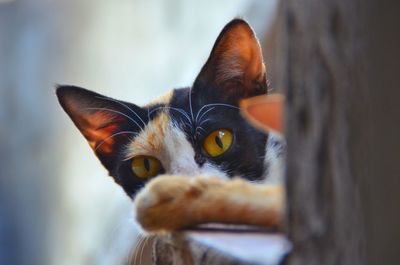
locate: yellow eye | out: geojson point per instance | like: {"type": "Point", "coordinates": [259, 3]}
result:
{"type": "Point", "coordinates": [218, 142]}
{"type": "Point", "coordinates": [145, 166]}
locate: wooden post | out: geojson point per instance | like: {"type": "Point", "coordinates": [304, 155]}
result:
{"type": "Point", "coordinates": [336, 62]}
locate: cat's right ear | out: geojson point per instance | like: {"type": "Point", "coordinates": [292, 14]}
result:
{"type": "Point", "coordinates": [106, 123]}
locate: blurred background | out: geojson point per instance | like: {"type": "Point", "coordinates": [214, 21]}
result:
{"type": "Point", "coordinates": [57, 204]}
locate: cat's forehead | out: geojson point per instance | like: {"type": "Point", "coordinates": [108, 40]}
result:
{"type": "Point", "coordinates": [161, 137]}
{"type": "Point", "coordinates": [151, 139]}
{"type": "Point", "coordinates": [163, 100]}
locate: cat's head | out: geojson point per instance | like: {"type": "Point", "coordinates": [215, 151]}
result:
{"type": "Point", "coordinates": [190, 131]}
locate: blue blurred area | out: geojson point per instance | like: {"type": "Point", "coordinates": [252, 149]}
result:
{"type": "Point", "coordinates": [57, 206]}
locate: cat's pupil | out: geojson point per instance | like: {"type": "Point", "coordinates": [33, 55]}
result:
{"type": "Point", "coordinates": [146, 163]}
{"type": "Point", "coordinates": [219, 142]}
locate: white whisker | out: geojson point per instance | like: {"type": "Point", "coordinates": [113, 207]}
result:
{"type": "Point", "coordinates": [206, 120]}
{"type": "Point", "coordinates": [190, 103]}
{"type": "Point", "coordinates": [199, 128]}
{"type": "Point", "coordinates": [217, 105]}
{"type": "Point", "coordinates": [176, 109]}
{"type": "Point", "coordinates": [124, 105]}
{"type": "Point", "coordinates": [181, 124]}
{"type": "Point", "coordinates": [130, 256]}
{"type": "Point", "coordinates": [143, 247]}
{"type": "Point", "coordinates": [182, 112]}
{"type": "Point", "coordinates": [115, 134]}
{"type": "Point", "coordinates": [123, 114]}
{"type": "Point", "coordinates": [202, 115]}
{"type": "Point", "coordinates": [137, 247]}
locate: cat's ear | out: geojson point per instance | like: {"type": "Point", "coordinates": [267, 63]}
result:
{"type": "Point", "coordinates": [107, 124]}
{"type": "Point", "coordinates": [264, 112]}
{"type": "Point", "coordinates": [235, 67]}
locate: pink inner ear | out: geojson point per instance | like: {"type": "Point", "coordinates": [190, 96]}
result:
{"type": "Point", "coordinates": [98, 128]}
{"type": "Point", "coordinates": [100, 140]}
{"type": "Point", "coordinates": [240, 55]}
{"type": "Point", "coordinates": [265, 112]}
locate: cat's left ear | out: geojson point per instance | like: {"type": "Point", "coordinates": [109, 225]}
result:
{"type": "Point", "coordinates": [235, 67]}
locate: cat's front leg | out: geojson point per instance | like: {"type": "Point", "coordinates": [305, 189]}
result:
{"type": "Point", "coordinates": [170, 203]}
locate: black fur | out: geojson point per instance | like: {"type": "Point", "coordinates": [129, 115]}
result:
{"type": "Point", "coordinates": [244, 158]}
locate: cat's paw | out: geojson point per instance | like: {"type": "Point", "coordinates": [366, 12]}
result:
{"type": "Point", "coordinates": [164, 203]}
{"type": "Point", "coordinates": [170, 203]}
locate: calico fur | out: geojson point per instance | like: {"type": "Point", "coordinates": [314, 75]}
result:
{"type": "Point", "coordinates": [191, 187]}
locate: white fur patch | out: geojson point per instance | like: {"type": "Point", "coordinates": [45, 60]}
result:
{"type": "Point", "coordinates": [274, 159]}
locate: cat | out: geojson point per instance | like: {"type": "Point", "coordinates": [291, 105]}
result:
{"type": "Point", "coordinates": [189, 157]}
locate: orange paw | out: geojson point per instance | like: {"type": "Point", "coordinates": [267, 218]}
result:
{"type": "Point", "coordinates": [163, 204]}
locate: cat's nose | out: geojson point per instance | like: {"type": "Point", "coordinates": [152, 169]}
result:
{"type": "Point", "coordinates": [200, 159]}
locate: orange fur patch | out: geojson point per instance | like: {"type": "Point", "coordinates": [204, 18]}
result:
{"type": "Point", "coordinates": [164, 99]}
{"type": "Point", "coordinates": [151, 140]}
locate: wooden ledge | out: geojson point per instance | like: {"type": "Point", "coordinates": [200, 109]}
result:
{"type": "Point", "coordinates": [216, 244]}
